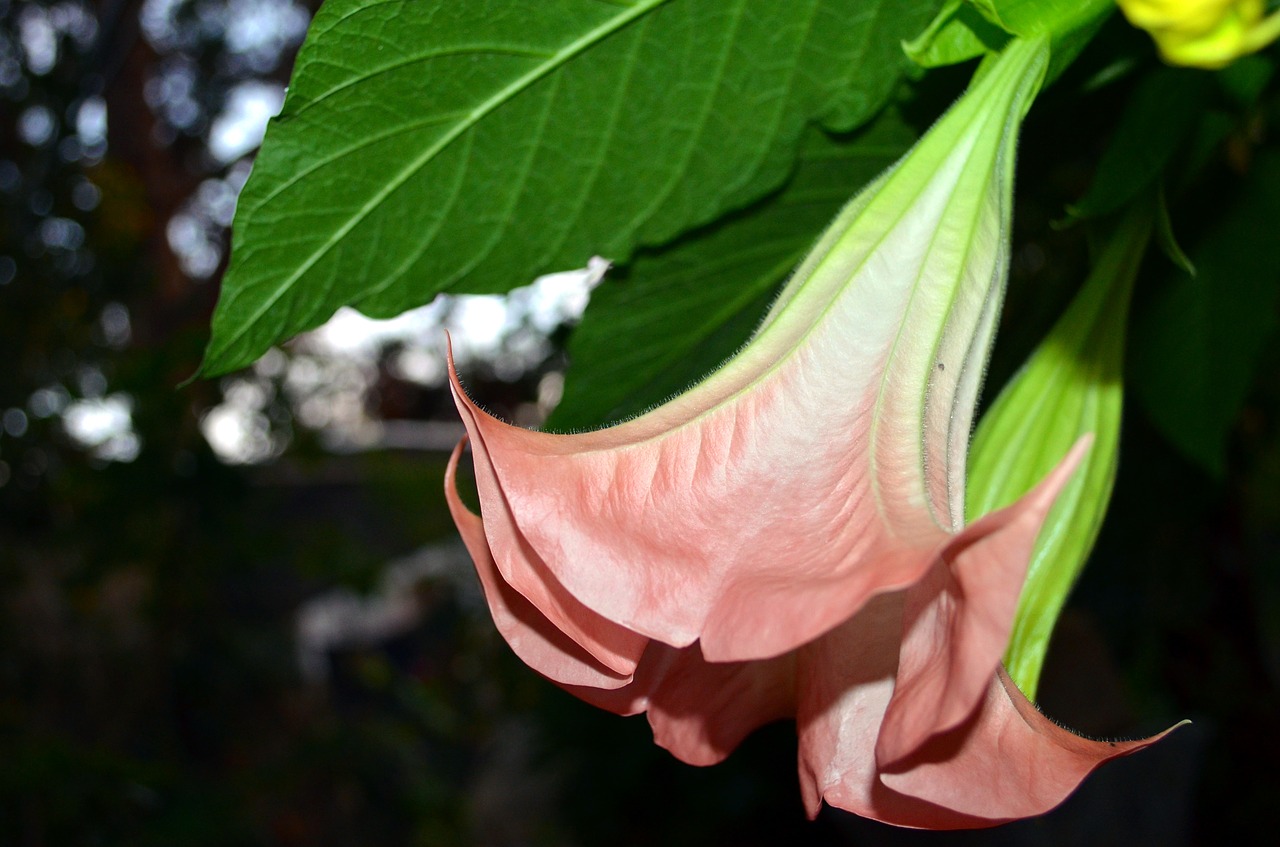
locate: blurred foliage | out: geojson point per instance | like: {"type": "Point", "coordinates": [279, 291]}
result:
{"type": "Point", "coordinates": [1203, 336]}
{"type": "Point", "coordinates": [151, 690]}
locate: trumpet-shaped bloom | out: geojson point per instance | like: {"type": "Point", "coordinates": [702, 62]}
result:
{"type": "Point", "coordinates": [786, 539]}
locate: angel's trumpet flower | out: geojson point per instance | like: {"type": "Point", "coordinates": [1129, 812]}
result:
{"type": "Point", "coordinates": [786, 538]}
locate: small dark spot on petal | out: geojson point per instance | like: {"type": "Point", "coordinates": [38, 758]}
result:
{"type": "Point", "coordinates": [941, 366]}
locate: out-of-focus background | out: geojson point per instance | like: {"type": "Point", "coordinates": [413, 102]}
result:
{"type": "Point", "coordinates": [236, 612]}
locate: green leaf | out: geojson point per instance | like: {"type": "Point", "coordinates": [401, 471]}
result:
{"type": "Point", "coordinates": [957, 34]}
{"type": "Point", "coordinates": [1043, 17]}
{"type": "Point", "coordinates": [1160, 115]}
{"type": "Point", "coordinates": [679, 312]}
{"type": "Point", "coordinates": [1199, 342]}
{"type": "Point", "coordinates": [1167, 240]}
{"type": "Point", "coordinates": [469, 146]}
{"type": "Point", "coordinates": [965, 29]}
{"type": "Point", "coordinates": [1071, 385]}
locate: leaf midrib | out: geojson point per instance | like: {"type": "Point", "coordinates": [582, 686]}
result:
{"type": "Point", "coordinates": [501, 97]}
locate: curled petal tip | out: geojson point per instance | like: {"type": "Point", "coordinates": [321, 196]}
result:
{"type": "Point", "coordinates": [1008, 761]}
{"type": "Point", "coordinates": [957, 620]}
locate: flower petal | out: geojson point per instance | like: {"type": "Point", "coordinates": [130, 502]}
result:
{"type": "Point", "coordinates": [701, 711]}
{"type": "Point", "coordinates": [613, 644]}
{"type": "Point", "coordinates": [746, 530]}
{"type": "Point", "coordinates": [541, 644]}
{"type": "Point", "coordinates": [822, 465]}
{"type": "Point", "coordinates": [844, 682]}
{"type": "Point", "coordinates": [632, 698]}
{"type": "Point", "coordinates": [957, 619]}
{"type": "Point", "coordinates": [1006, 762]}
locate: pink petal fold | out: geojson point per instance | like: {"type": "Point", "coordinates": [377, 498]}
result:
{"type": "Point", "coordinates": [902, 710]}
{"type": "Point", "coordinates": [958, 618]}
{"type": "Point", "coordinates": [541, 644]}
{"type": "Point", "coordinates": [701, 711]}
{"type": "Point", "coordinates": [638, 533]}
{"type": "Point", "coordinates": [843, 685]}
{"type": "Point", "coordinates": [1005, 761]}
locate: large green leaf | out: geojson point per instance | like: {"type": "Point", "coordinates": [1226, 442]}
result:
{"type": "Point", "coordinates": [681, 311]}
{"type": "Point", "coordinates": [427, 145]}
{"type": "Point", "coordinates": [1071, 385]}
{"type": "Point", "coordinates": [1199, 342]}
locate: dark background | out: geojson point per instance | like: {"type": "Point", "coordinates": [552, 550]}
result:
{"type": "Point", "coordinates": [156, 686]}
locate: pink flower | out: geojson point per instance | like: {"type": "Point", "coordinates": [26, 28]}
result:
{"type": "Point", "coordinates": [786, 539]}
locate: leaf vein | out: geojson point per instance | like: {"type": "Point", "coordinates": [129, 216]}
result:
{"type": "Point", "coordinates": [570, 51]}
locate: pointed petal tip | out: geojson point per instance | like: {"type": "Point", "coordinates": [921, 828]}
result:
{"type": "Point", "coordinates": [455, 383]}
{"type": "Point", "coordinates": [959, 617]}
{"type": "Point", "coordinates": [1007, 762]}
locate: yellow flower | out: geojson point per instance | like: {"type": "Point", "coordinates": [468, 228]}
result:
{"type": "Point", "coordinates": [1204, 33]}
